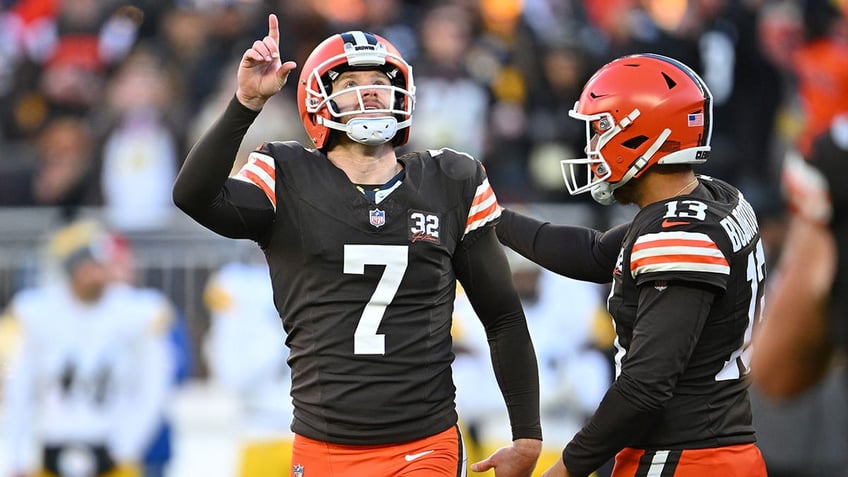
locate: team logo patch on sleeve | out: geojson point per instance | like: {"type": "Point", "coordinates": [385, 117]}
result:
{"type": "Point", "coordinates": [424, 226]}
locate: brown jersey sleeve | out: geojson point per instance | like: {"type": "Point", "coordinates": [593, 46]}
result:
{"type": "Point", "coordinates": [562, 248]}
{"type": "Point", "coordinates": [232, 208]}
{"type": "Point", "coordinates": [482, 268]}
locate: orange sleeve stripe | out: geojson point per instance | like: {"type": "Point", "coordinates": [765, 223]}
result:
{"type": "Point", "coordinates": [482, 214]}
{"type": "Point", "coordinates": [681, 259]}
{"type": "Point", "coordinates": [268, 168]}
{"type": "Point", "coordinates": [482, 196]}
{"type": "Point", "coordinates": [255, 179]}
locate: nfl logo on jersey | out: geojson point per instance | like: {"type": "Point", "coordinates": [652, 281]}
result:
{"type": "Point", "coordinates": [377, 217]}
{"type": "Point", "coordinates": [297, 470]}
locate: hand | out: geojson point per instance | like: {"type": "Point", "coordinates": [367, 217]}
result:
{"type": "Point", "coordinates": [260, 73]}
{"type": "Point", "coordinates": [557, 470]}
{"type": "Point", "coordinates": [518, 460]}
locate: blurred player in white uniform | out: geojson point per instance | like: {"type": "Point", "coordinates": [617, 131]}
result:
{"type": "Point", "coordinates": [124, 261]}
{"type": "Point", "coordinates": [573, 373]}
{"type": "Point", "coordinates": [89, 376]}
{"type": "Point", "coordinates": [246, 354]}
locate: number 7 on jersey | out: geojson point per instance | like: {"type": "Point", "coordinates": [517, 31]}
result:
{"type": "Point", "coordinates": [366, 340]}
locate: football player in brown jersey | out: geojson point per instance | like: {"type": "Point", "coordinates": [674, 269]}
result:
{"type": "Point", "coordinates": [687, 278]}
{"type": "Point", "coordinates": [364, 249]}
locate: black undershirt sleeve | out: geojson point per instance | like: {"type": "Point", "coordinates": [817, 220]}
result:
{"type": "Point", "coordinates": [482, 269]}
{"type": "Point", "coordinates": [563, 249]}
{"type": "Point", "coordinates": [663, 340]}
{"type": "Point", "coordinates": [230, 207]}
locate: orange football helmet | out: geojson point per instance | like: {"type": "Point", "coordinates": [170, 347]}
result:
{"type": "Point", "coordinates": [640, 110]}
{"type": "Point", "coordinates": [362, 51]}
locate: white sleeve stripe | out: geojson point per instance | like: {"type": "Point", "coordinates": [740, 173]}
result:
{"type": "Point", "coordinates": [677, 250]}
{"type": "Point", "coordinates": [258, 156]}
{"type": "Point", "coordinates": [674, 236]}
{"type": "Point", "coordinates": [482, 205]}
{"type": "Point", "coordinates": [259, 172]}
{"type": "Point", "coordinates": [483, 221]}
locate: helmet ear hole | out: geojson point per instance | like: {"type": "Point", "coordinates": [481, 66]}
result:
{"type": "Point", "coordinates": [634, 142]}
{"type": "Point", "coordinates": [668, 81]}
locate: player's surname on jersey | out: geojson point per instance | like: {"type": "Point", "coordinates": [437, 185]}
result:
{"type": "Point", "coordinates": [741, 225]}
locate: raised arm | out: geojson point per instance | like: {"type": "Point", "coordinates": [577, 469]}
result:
{"type": "Point", "coordinates": [261, 74]}
{"type": "Point", "coordinates": [202, 190]}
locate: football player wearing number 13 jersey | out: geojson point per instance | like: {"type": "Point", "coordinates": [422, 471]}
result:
{"type": "Point", "coordinates": [364, 250]}
{"type": "Point", "coordinates": [687, 284]}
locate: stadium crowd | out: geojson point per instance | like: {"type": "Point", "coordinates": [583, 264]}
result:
{"type": "Point", "coordinates": [101, 99]}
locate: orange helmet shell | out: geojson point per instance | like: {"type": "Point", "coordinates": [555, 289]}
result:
{"type": "Point", "coordinates": [641, 110]}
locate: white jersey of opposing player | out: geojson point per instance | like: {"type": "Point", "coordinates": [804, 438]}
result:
{"type": "Point", "coordinates": [98, 373]}
{"type": "Point", "coordinates": [572, 377]}
{"type": "Point", "coordinates": [245, 347]}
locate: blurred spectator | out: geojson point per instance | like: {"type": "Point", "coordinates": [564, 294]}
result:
{"type": "Point", "coordinates": [28, 29]}
{"type": "Point", "coordinates": [501, 60]}
{"type": "Point", "coordinates": [183, 43]}
{"type": "Point", "coordinates": [394, 20]}
{"type": "Point", "coordinates": [89, 378]}
{"type": "Point", "coordinates": [224, 29]}
{"type": "Point", "coordinates": [304, 25]}
{"type": "Point", "coordinates": [246, 355]}
{"type": "Point", "coordinates": [75, 69]}
{"type": "Point", "coordinates": [62, 51]}
{"type": "Point", "coordinates": [140, 155]}
{"type": "Point", "coordinates": [442, 79]}
{"type": "Point", "coordinates": [746, 96]}
{"type": "Point", "coordinates": [63, 172]}
{"type": "Point", "coordinates": [558, 21]}
{"type": "Point", "coordinates": [564, 70]}
{"type": "Point", "coordinates": [821, 65]}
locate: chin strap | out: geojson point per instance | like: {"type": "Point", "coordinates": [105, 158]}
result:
{"type": "Point", "coordinates": [603, 193]}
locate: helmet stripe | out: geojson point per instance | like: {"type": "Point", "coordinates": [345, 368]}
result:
{"type": "Point", "coordinates": [359, 38]}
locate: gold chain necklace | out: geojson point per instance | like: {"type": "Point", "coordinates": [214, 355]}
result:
{"type": "Point", "coordinates": [694, 181]}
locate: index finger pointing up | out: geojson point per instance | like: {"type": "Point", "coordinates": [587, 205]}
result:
{"type": "Point", "coordinates": [274, 28]}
